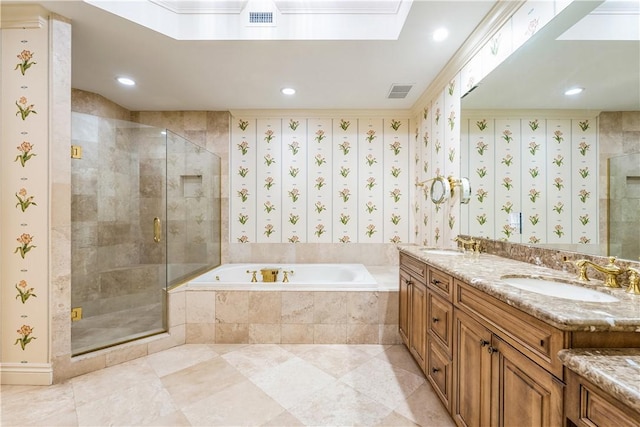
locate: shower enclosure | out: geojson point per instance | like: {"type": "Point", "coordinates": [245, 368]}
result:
{"type": "Point", "coordinates": [145, 216]}
{"type": "Point", "coordinates": [624, 202]}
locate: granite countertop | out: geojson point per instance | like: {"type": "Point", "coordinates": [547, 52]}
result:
{"type": "Point", "coordinates": [615, 370]}
{"type": "Point", "coordinates": [484, 272]}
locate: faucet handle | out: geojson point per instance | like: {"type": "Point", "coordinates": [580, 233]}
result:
{"type": "Point", "coordinates": [581, 265]}
{"type": "Point", "coordinates": [634, 281]}
{"type": "Point", "coordinates": [253, 275]}
{"type": "Point", "coordinates": [286, 277]}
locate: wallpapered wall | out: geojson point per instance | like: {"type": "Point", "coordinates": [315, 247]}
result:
{"type": "Point", "coordinates": [319, 180]}
{"type": "Point", "coordinates": [538, 170]}
{"type": "Point", "coordinates": [25, 215]}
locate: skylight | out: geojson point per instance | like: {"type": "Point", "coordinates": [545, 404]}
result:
{"type": "Point", "coordinates": [288, 19]}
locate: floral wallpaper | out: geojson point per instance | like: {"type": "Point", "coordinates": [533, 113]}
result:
{"type": "Point", "coordinates": [320, 180]}
{"type": "Point", "coordinates": [24, 226]}
{"type": "Point", "coordinates": [534, 179]}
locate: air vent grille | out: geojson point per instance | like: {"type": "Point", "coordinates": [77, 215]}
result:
{"type": "Point", "coordinates": [261, 17]}
{"type": "Point", "coordinates": [399, 91]}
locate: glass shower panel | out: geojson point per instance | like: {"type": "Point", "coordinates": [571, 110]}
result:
{"type": "Point", "coordinates": [118, 237]}
{"type": "Point", "coordinates": [193, 209]}
{"type": "Point", "coordinates": [624, 205]}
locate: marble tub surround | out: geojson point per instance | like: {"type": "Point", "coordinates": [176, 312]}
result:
{"type": "Point", "coordinates": [550, 258]}
{"type": "Point", "coordinates": [615, 370]}
{"type": "Point", "coordinates": [291, 317]}
{"type": "Point", "coordinates": [484, 272]}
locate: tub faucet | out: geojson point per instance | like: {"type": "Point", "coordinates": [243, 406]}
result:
{"type": "Point", "coordinates": [285, 279]}
{"type": "Point", "coordinates": [611, 271]}
{"type": "Point", "coordinates": [253, 275]}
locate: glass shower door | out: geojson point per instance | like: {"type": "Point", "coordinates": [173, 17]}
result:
{"type": "Point", "coordinates": [118, 243]}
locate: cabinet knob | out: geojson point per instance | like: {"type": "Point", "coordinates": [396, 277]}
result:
{"type": "Point", "coordinates": [483, 343]}
{"type": "Point", "coordinates": [435, 370]}
{"type": "Point", "coordinates": [435, 282]}
{"type": "Point", "coordinates": [492, 350]}
{"type": "Point", "coordinates": [435, 320]}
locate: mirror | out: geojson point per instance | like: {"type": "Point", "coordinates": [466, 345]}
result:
{"type": "Point", "coordinates": [594, 45]}
{"type": "Point", "coordinates": [440, 190]}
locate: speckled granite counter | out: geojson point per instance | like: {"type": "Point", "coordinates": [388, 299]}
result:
{"type": "Point", "coordinates": [615, 371]}
{"type": "Point", "coordinates": [484, 272]}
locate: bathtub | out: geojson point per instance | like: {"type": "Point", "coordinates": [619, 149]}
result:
{"type": "Point", "coordinates": [305, 277]}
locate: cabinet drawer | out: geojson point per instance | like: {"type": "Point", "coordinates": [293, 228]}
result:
{"type": "Point", "coordinates": [441, 283]}
{"type": "Point", "coordinates": [439, 372]}
{"type": "Point", "coordinates": [440, 321]}
{"type": "Point", "coordinates": [588, 405]}
{"type": "Point", "coordinates": [533, 337]}
{"type": "Point", "coordinates": [415, 267]}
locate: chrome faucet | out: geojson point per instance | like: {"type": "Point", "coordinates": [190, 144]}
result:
{"type": "Point", "coordinates": [611, 271]}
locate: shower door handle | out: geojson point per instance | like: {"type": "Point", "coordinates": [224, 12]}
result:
{"type": "Point", "coordinates": [157, 229]}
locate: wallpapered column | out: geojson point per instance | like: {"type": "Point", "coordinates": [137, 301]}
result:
{"type": "Point", "coordinates": [320, 180]}
{"type": "Point", "coordinates": [439, 155]}
{"type": "Point", "coordinates": [25, 216]}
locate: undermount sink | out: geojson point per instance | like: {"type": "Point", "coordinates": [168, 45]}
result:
{"type": "Point", "coordinates": [441, 251]}
{"type": "Point", "coordinates": [558, 289]}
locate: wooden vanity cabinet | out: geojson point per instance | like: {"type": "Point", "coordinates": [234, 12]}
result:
{"type": "Point", "coordinates": [588, 405]}
{"type": "Point", "coordinates": [413, 307]}
{"type": "Point", "coordinates": [439, 363]}
{"type": "Point", "coordinates": [503, 365]}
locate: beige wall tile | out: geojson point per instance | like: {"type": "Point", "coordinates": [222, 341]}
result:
{"type": "Point", "coordinates": [389, 334]}
{"type": "Point", "coordinates": [200, 333]}
{"type": "Point", "coordinates": [388, 307]}
{"type": "Point", "coordinates": [297, 307]}
{"type": "Point", "coordinates": [330, 334]}
{"type": "Point", "coordinates": [200, 306]}
{"type": "Point", "coordinates": [296, 334]}
{"type": "Point", "coordinates": [330, 307]}
{"type": "Point", "coordinates": [232, 307]}
{"type": "Point", "coordinates": [362, 334]}
{"type": "Point", "coordinates": [264, 333]}
{"type": "Point", "coordinates": [362, 307]}
{"type": "Point", "coordinates": [232, 333]}
{"type": "Point", "coordinates": [264, 307]}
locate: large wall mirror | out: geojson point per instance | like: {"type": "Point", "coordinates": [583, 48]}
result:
{"type": "Point", "coordinates": [586, 198]}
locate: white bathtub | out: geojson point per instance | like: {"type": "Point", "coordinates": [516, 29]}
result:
{"type": "Point", "coordinates": [305, 277]}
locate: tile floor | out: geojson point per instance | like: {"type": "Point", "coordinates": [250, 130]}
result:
{"type": "Point", "coordinates": [231, 385]}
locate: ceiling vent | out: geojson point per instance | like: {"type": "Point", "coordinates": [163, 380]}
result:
{"type": "Point", "coordinates": [260, 18]}
{"type": "Point", "coordinates": [399, 91]}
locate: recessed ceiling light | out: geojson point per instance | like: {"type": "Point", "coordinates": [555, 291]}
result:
{"type": "Point", "coordinates": [574, 91]}
{"type": "Point", "coordinates": [288, 91]}
{"type": "Point", "coordinates": [440, 34]}
{"type": "Point", "coordinates": [126, 81]}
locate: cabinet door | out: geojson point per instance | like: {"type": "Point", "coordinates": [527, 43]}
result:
{"type": "Point", "coordinates": [438, 367]}
{"type": "Point", "coordinates": [527, 395]}
{"type": "Point", "coordinates": [440, 320]}
{"type": "Point", "coordinates": [404, 292]}
{"type": "Point", "coordinates": [418, 323]}
{"type": "Point", "coordinates": [472, 372]}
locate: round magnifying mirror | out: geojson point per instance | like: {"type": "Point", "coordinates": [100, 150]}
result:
{"type": "Point", "coordinates": [440, 189]}
{"type": "Point", "coordinates": [465, 190]}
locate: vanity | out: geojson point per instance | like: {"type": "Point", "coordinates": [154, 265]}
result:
{"type": "Point", "coordinates": [497, 354]}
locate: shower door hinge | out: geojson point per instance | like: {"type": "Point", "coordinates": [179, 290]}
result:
{"type": "Point", "coordinates": [76, 314]}
{"type": "Point", "coordinates": [76, 152]}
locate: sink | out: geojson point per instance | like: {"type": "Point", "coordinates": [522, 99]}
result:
{"type": "Point", "coordinates": [441, 251]}
{"type": "Point", "coordinates": [558, 289]}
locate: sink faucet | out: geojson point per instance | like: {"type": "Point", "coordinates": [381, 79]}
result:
{"type": "Point", "coordinates": [611, 271]}
{"type": "Point", "coordinates": [474, 244]}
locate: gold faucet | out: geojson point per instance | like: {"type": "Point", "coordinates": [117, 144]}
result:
{"type": "Point", "coordinates": [611, 271]}
{"type": "Point", "coordinates": [286, 273]}
{"type": "Point", "coordinates": [634, 281]}
{"type": "Point", "coordinates": [474, 244]}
